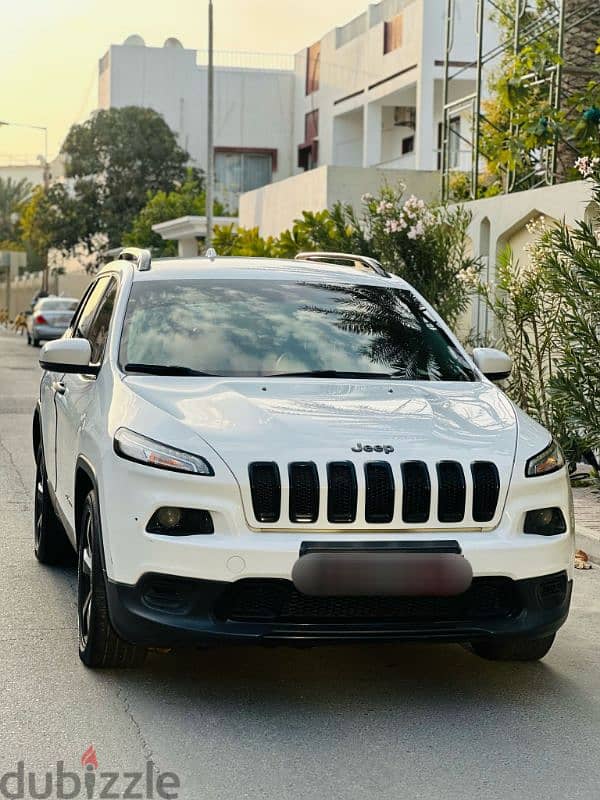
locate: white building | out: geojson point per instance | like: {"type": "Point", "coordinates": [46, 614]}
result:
{"type": "Point", "coordinates": [253, 107]}
{"type": "Point", "coordinates": [370, 93]}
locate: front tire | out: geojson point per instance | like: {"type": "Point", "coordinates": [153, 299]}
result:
{"type": "Point", "coordinates": [51, 545]}
{"type": "Point", "coordinates": [99, 644]}
{"type": "Point", "coordinates": [517, 649]}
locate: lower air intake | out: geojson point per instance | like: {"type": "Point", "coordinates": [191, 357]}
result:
{"type": "Point", "coordinates": [277, 600]}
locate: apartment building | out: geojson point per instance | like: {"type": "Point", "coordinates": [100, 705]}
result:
{"type": "Point", "coordinates": [370, 93]}
{"type": "Point", "coordinates": [253, 106]}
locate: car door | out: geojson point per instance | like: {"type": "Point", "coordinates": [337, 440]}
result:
{"type": "Point", "coordinates": [49, 383]}
{"type": "Point", "coordinates": [75, 393]}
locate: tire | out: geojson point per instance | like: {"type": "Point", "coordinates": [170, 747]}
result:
{"type": "Point", "coordinates": [99, 644]}
{"type": "Point", "coordinates": [51, 545]}
{"type": "Point", "coordinates": [517, 649]}
{"type": "Point", "coordinates": [35, 342]}
{"type": "Point", "coordinates": [28, 339]}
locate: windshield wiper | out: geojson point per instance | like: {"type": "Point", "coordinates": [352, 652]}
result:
{"type": "Point", "coordinates": [330, 373]}
{"type": "Point", "coordinates": [167, 369]}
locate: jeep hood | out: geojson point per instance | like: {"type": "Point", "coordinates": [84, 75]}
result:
{"type": "Point", "coordinates": [288, 419]}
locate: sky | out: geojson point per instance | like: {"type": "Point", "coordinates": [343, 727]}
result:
{"type": "Point", "coordinates": [50, 49]}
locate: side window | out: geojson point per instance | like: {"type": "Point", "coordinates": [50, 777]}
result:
{"type": "Point", "coordinates": [98, 330]}
{"type": "Point", "coordinates": [86, 312]}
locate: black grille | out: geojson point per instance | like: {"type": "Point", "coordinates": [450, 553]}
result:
{"type": "Point", "coordinates": [341, 492]}
{"type": "Point", "coordinates": [304, 492]}
{"type": "Point", "coordinates": [451, 491]}
{"type": "Point", "coordinates": [275, 600]}
{"type": "Point", "coordinates": [416, 488]}
{"type": "Point", "coordinates": [379, 506]}
{"type": "Point", "coordinates": [265, 486]}
{"type": "Point", "coordinates": [486, 489]}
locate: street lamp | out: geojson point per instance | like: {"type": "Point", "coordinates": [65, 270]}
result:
{"type": "Point", "coordinates": [46, 175]}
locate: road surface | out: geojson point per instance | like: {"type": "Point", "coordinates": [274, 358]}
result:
{"type": "Point", "coordinates": [389, 721]}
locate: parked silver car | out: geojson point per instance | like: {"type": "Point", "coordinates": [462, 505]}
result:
{"type": "Point", "coordinates": [50, 318]}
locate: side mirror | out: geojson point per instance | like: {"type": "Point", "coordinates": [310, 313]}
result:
{"type": "Point", "coordinates": [68, 355]}
{"type": "Point", "coordinates": [494, 364]}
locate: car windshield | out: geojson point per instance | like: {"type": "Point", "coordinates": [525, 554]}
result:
{"type": "Point", "coordinates": [258, 328]}
{"type": "Point", "coordinates": [58, 305]}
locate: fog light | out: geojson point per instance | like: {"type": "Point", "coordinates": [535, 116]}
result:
{"type": "Point", "coordinates": [168, 517]}
{"type": "Point", "coordinates": [170, 521]}
{"type": "Point", "coordinates": [545, 522]}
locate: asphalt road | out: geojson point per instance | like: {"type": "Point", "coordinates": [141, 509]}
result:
{"type": "Point", "coordinates": [391, 721]}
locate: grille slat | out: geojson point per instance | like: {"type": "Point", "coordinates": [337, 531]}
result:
{"type": "Point", "coordinates": [265, 486]}
{"type": "Point", "coordinates": [416, 487]}
{"type": "Point", "coordinates": [304, 492]}
{"type": "Point", "coordinates": [342, 491]}
{"type": "Point", "coordinates": [380, 492]}
{"type": "Point", "coordinates": [486, 490]}
{"type": "Point", "coordinates": [451, 491]}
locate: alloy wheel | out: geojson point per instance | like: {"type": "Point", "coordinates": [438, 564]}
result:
{"type": "Point", "coordinates": [85, 588]}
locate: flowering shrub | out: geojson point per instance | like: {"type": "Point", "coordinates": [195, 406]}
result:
{"type": "Point", "coordinates": [572, 263]}
{"type": "Point", "coordinates": [428, 246]}
{"type": "Point", "coordinates": [547, 316]}
{"type": "Point", "coordinates": [587, 166]}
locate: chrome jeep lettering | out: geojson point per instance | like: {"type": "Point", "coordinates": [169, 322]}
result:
{"type": "Point", "coordinates": [372, 448]}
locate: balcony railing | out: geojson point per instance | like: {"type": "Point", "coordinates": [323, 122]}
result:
{"type": "Point", "coordinates": [240, 59]}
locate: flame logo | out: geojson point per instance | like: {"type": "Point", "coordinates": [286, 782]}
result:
{"type": "Point", "coordinates": [90, 757]}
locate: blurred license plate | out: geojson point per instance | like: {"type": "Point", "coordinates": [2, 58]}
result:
{"type": "Point", "coordinates": [388, 574]}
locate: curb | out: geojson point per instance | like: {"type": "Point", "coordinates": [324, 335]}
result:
{"type": "Point", "coordinates": [588, 540]}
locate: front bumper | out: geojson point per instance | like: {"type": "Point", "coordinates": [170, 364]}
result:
{"type": "Point", "coordinates": [169, 611]}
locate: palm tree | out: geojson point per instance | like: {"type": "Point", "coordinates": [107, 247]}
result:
{"type": "Point", "coordinates": [12, 194]}
{"type": "Point", "coordinates": [579, 63]}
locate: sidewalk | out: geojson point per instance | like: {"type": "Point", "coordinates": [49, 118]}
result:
{"type": "Point", "coordinates": [587, 520]}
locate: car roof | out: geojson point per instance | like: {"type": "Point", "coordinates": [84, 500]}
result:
{"type": "Point", "coordinates": [53, 297]}
{"type": "Point", "coordinates": [278, 269]}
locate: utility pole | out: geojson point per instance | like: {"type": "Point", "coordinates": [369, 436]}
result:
{"type": "Point", "coordinates": [210, 162]}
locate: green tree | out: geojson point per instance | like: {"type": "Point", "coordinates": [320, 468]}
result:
{"type": "Point", "coordinates": [53, 218]}
{"type": "Point", "coordinates": [518, 119]}
{"type": "Point", "coordinates": [188, 199]}
{"type": "Point", "coordinates": [115, 159]}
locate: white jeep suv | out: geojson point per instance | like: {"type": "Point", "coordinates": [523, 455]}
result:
{"type": "Point", "coordinates": [291, 452]}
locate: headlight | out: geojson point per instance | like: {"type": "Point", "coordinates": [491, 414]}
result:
{"type": "Point", "coordinates": [549, 460]}
{"type": "Point", "coordinates": [146, 451]}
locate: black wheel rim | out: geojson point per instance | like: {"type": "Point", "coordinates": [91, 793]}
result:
{"type": "Point", "coordinates": [38, 504]}
{"type": "Point", "coordinates": [84, 593]}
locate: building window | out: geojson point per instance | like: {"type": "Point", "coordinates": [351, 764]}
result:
{"type": "Point", "coordinates": [408, 145]}
{"type": "Point", "coordinates": [313, 67]}
{"type": "Point", "coordinates": [308, 151]}
{"type": "Point", "coordinates": [392, 33]}
{"type": "Point", "coordinates": [454, 143]}
{"type": "Point", "coordinates": [243, 169]}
